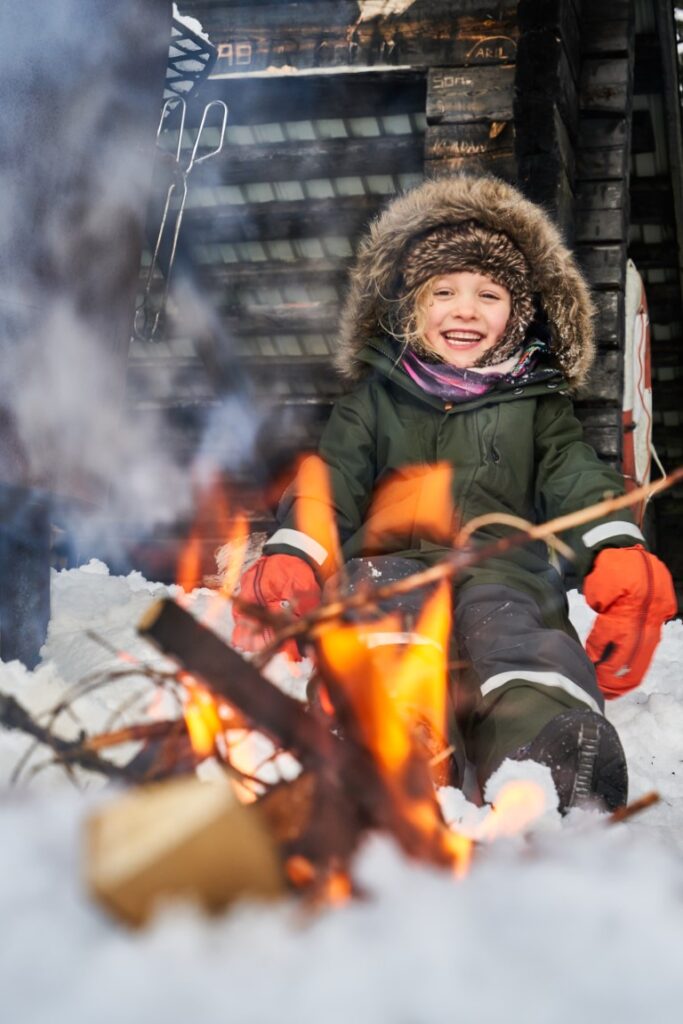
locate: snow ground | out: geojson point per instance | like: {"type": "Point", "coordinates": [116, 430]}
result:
{"type": "Point", "coordinates": [578, 921]}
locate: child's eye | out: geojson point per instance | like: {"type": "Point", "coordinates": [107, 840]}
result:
{"type": "Point", "coordinates": [490, 295]}
{"type": "Point", "coordinates": [442, 293]}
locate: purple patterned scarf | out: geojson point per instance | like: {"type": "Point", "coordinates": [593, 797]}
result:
{"type": "Point", "coordinates": [454, 385]}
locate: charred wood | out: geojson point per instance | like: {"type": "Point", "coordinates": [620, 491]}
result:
{"type": "Point", "coordinates": [459, 95]}
{"type": "Point", "coordinates": [331, 158]}
{"type": "Point", "coordinates": [274, 220]}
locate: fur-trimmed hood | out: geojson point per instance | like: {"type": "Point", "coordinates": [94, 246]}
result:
{"type": "Point", "coordinates": [555, 278]}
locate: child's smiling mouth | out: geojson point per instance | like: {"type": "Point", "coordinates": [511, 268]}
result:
{"type": "Point", "coordinates": [462, 339]}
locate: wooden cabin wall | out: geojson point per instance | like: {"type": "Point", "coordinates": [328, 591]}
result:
{"type": "Point", "coordinates": [332, 110]}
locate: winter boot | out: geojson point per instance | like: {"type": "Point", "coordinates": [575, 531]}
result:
{"type": "Point", "coordinates": [585, 757]}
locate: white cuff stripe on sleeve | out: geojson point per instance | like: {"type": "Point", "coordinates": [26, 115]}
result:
{"type": "Point", "coordinates": [554, 679]}
{"type": "Point", "coordinates": [296, 539]}
{"type": "Point", "coordinates": [607, 530]}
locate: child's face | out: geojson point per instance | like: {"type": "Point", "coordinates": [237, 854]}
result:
{"type": "Point", "coordinates": [466, 316]}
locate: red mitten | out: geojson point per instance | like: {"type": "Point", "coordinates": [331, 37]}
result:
{"type": "Point", "coordinates": [634, 595]}
{"type": "Point", "coordinates": [279, 583]}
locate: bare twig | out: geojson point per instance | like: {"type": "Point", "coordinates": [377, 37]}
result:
{"type": "Point", "coordinates": [14, 716]}
{"type": "Point", "coordinates": [624, 813]}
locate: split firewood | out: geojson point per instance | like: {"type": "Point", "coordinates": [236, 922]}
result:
{"type": "Point", "coordinates": [179, 839]}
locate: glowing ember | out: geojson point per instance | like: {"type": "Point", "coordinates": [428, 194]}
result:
{"type": "Point", "coordinates": [201, 717]}
{"type": "Point", "coordinates": [518, 805]}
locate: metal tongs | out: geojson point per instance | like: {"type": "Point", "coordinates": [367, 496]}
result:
{"type": "Point", "coordinates": [149, 314]}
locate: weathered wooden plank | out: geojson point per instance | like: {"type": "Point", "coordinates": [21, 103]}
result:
{"type": "Point", "coordinates": [559, 15]}
{"type": "Point", "coordinates": [603, 149]}
{"type": "Point", "coordinates": [322, 158]}
{"type": "Point", "coordinates": [607, 27]}
{"type": "Point", "coordinates": [322, 35]}
{"type": "Point", "coordinates": [609, 324]}
{"type": "Point", "coordinates": [602, 428]}
{"type": "Point", "coordinates": [550, 134]}
{"type": "Point", "coordinates": [606, 85]}
{"type": "Point", "coordinates": [475, 148]}
{"type": "Point", "coordinates": [544, 72]}
{"type": "Point", "coordinates": [601, 211]}
{"type": "Point", "coordinates": [603, 265]}
{"type": "Point", "coordinates": [502, 164]}
{"type": "Point", "coordinates": [605, 381]}
{"type": "Point", "coordinates": [457, 95]}
{"type": "Point", "coordinates": [303, 97]}
{"type": "Point", "coordinates": [543, 178]}
{"type": "Point", "coordinates": [217, 278]}
{"type": "Point", "coordinates": [455, 141]}
{"type": "Point", "coordinates": [287, 318]}
{"type": "Point", "coordinates": [275, 220]}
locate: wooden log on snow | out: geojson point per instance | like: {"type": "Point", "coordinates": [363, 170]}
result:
{"type": "Point", "coordinates": [182, 839]}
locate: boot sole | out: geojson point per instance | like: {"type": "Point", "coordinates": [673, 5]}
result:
{"type": "Point", "coordinates": [586, 759]}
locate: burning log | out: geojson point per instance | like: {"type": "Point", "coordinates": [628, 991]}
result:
{"type": "Point", "coordinates": [350, 793]}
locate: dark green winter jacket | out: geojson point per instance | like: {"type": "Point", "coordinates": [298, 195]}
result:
{"type": "Point", "coordinates": [516, 450]}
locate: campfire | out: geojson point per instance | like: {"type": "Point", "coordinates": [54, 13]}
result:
{"type": "Point", "coordinates": [297, 786]}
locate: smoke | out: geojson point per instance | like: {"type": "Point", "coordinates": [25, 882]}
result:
{"type": "Point", "coordinates": [82, 82]}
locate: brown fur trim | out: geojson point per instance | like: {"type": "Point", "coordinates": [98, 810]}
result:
{"type": "Point", "coordinates": [553, 274]}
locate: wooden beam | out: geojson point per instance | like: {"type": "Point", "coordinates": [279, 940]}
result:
{"type": "Point", "coordinates": [606, 85]}
{"type": "Point", "coordinates": [607, 27]}
{"type": "Point", "coordinates": [544, 72]}
{"type": "Point", "coordinates": [301, 98]}
{"type": "Point", "coordinates": [461, 95]}
{"type": "Point", "coordinates": [603, 149]}
{"type": "Point", "coordinates": [259, 222]}
{"type": "Point", "coordinates": [605, 382]}
{"type": "Point", "coordinates": [323, 158]}
{"type": "Point", "coordinates": [252, 38]}
{"type": "Point", "coordinates": [601, 211]}
{"type": "Point", "coordinates": [452, 142]}
{"type": "Point", "coordinates": [610, 317]}
{"type": "Point", "coordinates": [603, 265]}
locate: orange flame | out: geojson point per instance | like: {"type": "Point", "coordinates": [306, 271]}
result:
{"type": "Point", "coordinates": [189, 563]}
{"type": "Point", "coordinates": [415, 499]}
{"type": "Point", "coordinates": [238, 539]}
{"type": "Point", "coordinates": [395, 684]}
{"type": "Point", "coordinates": [202, 717]}
{"type": "Point", "coordinates": [314, 507]}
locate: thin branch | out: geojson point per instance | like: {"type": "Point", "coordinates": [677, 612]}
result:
{"type": "Point", "coordinates": [624, 813]}
{"type": "Point", "coordinates": [451, 565]}
{"type": "Point", "coordinates": [14, 716]}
